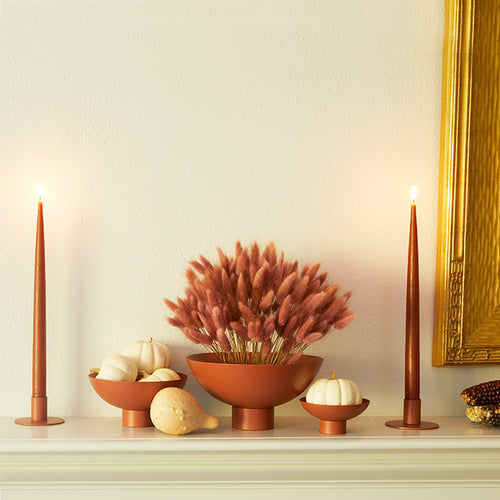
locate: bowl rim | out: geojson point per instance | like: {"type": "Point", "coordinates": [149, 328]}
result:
{"type": "Point", "coordinates": [93, 376]}
{"type": "Point", "coordinates": [363, 402]}
{"type": "Point", "coordinates": [195, 358]}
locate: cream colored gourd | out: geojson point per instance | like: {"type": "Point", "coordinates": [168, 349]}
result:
{"type": "Point", "coordinates": [334, 391]}
{"type": "Point", "coordinates": [148, 355]}
{"type": "Point", "coordinates": [163, 374]}
{"type": "Point", "coordinates": [175, 411]}
{"type": "Point", "coordinates": [118, 367]}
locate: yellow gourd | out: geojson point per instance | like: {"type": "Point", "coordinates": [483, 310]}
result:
{"type": "Point", "coordinates": [334, 391]}
{"type": "Point", "coordinates": [164, 374]}
{"type": "Point", "coordinates": [175, 411]}
{"type": "Point", "coordinates": [118, 367]}
{"type": "Point", "coordinates": [148, 355]}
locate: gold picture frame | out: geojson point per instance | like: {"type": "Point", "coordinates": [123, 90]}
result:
{"type": "Point", "coordinates": [467, 299]}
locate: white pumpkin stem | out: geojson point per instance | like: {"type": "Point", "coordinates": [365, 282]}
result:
{"type": "Point", "coordinates": [150, 340]}
{"type": "Point", "coordinates": [332, 374]}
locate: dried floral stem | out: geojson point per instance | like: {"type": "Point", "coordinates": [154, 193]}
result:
{"type": "Point", "coordinates": [256, 307]}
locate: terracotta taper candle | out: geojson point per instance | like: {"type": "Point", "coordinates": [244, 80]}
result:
{"type": "Point", "coordinates": [412, 403]}
{"type": "Point", "coordinates": [39, 371]}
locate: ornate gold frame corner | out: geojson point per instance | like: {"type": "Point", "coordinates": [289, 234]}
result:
{"type": "Point", "coordinates": [465, 333]}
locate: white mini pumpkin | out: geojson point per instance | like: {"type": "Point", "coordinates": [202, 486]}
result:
{"type": "Point", "coordinates": [163, 374]}
{"type": "Point", "coordinates": [118, 367]}
{"type": "Point", "coordinates": [148, 355]}
{"type": "Point", "coordinates": [334, 391]}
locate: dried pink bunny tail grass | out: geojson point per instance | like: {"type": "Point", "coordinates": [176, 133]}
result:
{"type": "Point", "coordinates": [270, 254]}
{"type": "Point", "coordinates": [294, 358]}
{"type": "Point", "coordinates": [227, 287]}
{"type": "Point", "coordinates": [344, 321]}
{"type": "Point", "coordinates": [208, 324]}
{"type": "Point", "coordinates": [304, 329]}
{"type": "Point", "coordinates": [266, 347]}
{"type": "Point", "coordinates": [285, 309]}
{"type": "Point", "coordinates": [185, 318]}
{"type": "Point", "coordinates": [313, 270]}
{"type": "Point", "coordinates": [191, 275]}
{"type": "Point", "coordinates": [224, 261]}
{"type": "Point", "coordinates": [241, 263]}
{"type": "Point", "coordinates": [206, 263]}
{"type": "Point", "coordinates": [197, 266]}
{"type": "Point", "coordinates": [335, 307]}
{"type": "Point", "coordinates": [322, 277]}
{"type": "Point", "coordinates": [218, 319]}
{"type": "Point", "coordinates": [313, 303]}
{"type": "Point", "coordinates": [256, 298]}
{"type": "Point", "coordinates": [197, 337]}
{"type": "Point", "coordinates": [171, 305]}
{"type": "Point", "coordinates": [287, 345]}
{"type": "Point", "coordinates": [238, 249]}
{"type": "Point", "coordinates": [223, 341]}
{"type": "Point", "coordinates": [241, 289]}
{"type": "Point", "coordinates": [330, 292]}
{"type": "Point", "coordinates": [252, 331]}
{"type": "Point", "coordinates": [267, 301]}
{"type": "Point", "coordinates": [176, 322]}
{"type": "Point", "coordinates": [285, 287]}
{"type": "Point", "coordinates": [313, 337]}
{"type": "Point", "coordinates": [290, 327]}
{"type": "Point", "coordinates": [232, 307]}
{"type": "Point", "coordinates": [300, 290]}
{"type": "Point", "coordinates": [322, 326]}
{"type": "Point", "coordinates": [259, 331]}
{"type": "Point", "coordinates": [246, 313]}
{"type": "Point", "coordinates": [240, 330]}
{"type": "Point", "coordinates": [255, 255]}
{"type": "Point", "coordinates": [269, 326]}
{"type": "Point", "coordinates": [226, 315]}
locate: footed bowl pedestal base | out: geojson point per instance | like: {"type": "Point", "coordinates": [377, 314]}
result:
{"type": "Point", "coordinates": [253, 419]}
{"type": "Point", "coordinates": [136, 418]}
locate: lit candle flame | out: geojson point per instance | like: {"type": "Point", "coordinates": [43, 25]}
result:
{"type": "Point", "coordinates": [414, 192]}
{"type": "Point", "coordinates": [40, 192]}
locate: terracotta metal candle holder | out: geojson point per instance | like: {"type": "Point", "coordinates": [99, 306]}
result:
{"type": "Point", "coordinates": [333, 418]}
{"type": "Point", "coordinates": [253, 390]}
{"type": "Point", "coordinates": [134, 398]}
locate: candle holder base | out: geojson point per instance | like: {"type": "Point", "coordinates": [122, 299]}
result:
{"type": "Point", "coordinates": [48, 421]}
{"type": "Point", "coordinates": [421, 426]}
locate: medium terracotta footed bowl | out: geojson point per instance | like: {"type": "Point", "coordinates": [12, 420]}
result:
{"type": "Point", "coordinates": [134, 398]}
{"type": "Point", "coordinates": [253, 390]}
{"type": "Point", "coordinates": [333, 418]}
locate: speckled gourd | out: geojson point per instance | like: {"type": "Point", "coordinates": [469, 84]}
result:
{"type": "Point", "coordinates": [175, 411]}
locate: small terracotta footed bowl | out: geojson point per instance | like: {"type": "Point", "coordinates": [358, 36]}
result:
{"type": "Point", "coordinates": [333, 418]}
{"type": "Point", "coordinates": [253, 390]}
{"type": "Point", "coordinates": [134, 398]}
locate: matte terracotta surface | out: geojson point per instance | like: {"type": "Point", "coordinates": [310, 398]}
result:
{"type": "Point", "coordinates": [253, 386]}
{"type": "Point", "coordinates": [132, 396]}
{"type": "Point", "coordinates": [333, 417]}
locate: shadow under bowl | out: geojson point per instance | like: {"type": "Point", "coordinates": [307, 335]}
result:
{"type": "Point", "coordinates": [333, 418]}
{"type": "Point", "coordinates": [253, 390]}
{"type": "Point", "coordinates": [134, 398]}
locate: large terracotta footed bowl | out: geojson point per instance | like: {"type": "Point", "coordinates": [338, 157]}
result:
{"type": "Point", "coordinates": [253, 390]}
{"type": "Point", "coordinates": [134, 398]}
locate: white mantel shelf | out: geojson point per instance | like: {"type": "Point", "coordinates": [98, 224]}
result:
{"type": "Point", "coordinates": [101, 456]}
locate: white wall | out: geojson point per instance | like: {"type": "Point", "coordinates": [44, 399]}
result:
{"type": "Point", "coordinates": [163, 129]}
